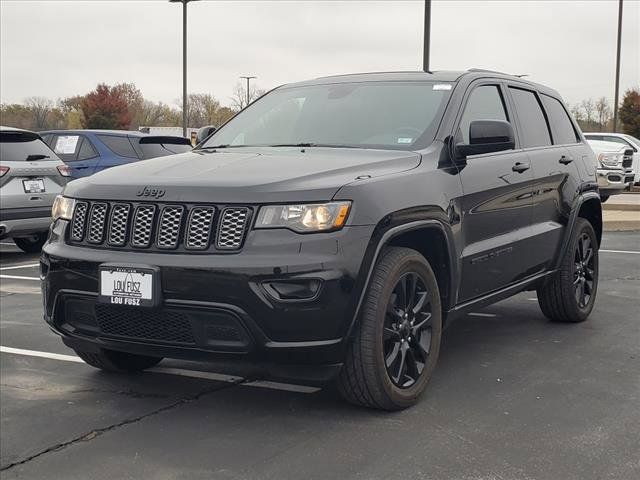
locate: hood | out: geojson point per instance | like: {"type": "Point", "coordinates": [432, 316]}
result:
{"type": "Point", "coordinates": [600, 146]}
{"type": "Point", "coordinates": [243, 175]}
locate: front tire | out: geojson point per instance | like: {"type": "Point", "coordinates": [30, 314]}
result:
{"type": "Point", "coordinates": [113, 361]}
{"type": "Point", "coordinates": [570, 295]}
{"type": "Point", "coordinates": [32, 244]}
{"type": "Point", "coordinates": [397, 340]}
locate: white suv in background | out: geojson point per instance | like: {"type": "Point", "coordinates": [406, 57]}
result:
{"type": "Point", "coordinates": [623, 139]}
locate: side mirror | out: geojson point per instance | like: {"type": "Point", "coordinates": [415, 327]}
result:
{"type": "Point", "coordinates": [487, 136]}
{"type": "Point", "coordinates": [204, 133]}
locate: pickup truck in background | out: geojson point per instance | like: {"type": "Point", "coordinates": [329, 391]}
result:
{"type": "Point", "coordinates": [614, 167]}
{"type": "Point", "coordinates": [627, 141]}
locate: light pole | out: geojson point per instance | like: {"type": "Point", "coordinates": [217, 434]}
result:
{"type": "Point", "coordinates": [248, 96]}
{"type": "Point", "coordinates": [427, 35]}
{"type": "Point", "coordinates": [184, 62]}
{"type": "Point", "coordinates": [615, 100]}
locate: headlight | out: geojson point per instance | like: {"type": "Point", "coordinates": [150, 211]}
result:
{"type": "Point", "coordinates": [62, 208]}
{"type": "Point", "coordinates": [610, 159]}
{"type": "Point", "coordinates": [319, 217]}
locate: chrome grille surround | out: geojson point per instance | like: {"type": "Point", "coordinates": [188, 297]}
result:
{"type": "Point", "coordinates": [78, 222]}
{"type": "Point", "coordinates": [233, 222]}
{"type": "Point", "coordinates": [199, 228]}
{"type": "Point", "coordinates": [169, 226]}
{"type": "Point", "coordinates": [142, 226]}
{"type": "Point", "coordinates": [118, 222]}
{"type": "Point", "coordinates": [97, 220]}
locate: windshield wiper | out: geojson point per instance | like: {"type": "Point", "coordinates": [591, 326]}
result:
{"type": "Point", "coordinates": [211, 147]}
{"type": "Point", "coordinates": [296, 145]}
{"type": "Point", "coordinates": [38, 156]}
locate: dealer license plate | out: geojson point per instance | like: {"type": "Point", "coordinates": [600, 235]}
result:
{"type": "Point", "coordinates": [128, 286]}
{"type": "Point", "coordinates": [33, 186]}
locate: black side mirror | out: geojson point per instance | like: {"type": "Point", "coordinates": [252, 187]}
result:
{"type": "Point", "coordinates": [204, 133]}
{"type": "Point", "coordinates": [487, 136]}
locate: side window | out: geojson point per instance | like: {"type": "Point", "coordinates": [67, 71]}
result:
{"type": "Point", "coordinates": [86, 150]}
{"type": "Point", "coordinates": [120, 145]}
{"type": "Point", "coordinates": [561, 127]}
{"type": "Point", "coordinates": [484, 103]}
{"type": "Point", "coordinates": [535, 132]}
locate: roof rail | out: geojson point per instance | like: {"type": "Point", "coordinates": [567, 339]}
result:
{"type": "Point", "coordinates": [487, 71]}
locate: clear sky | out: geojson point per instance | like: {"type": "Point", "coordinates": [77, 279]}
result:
{"type": "Point", "coordinates": [61, 48]}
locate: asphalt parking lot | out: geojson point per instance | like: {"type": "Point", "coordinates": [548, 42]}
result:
{"type": "Point", "coordinates": [513, 397]}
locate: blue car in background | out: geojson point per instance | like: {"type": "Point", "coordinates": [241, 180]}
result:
{"type": "Point", "coordinates": [89, 151]}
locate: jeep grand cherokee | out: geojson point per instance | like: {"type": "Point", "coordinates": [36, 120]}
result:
{"type": "Point", "coordinates": [331, 230]}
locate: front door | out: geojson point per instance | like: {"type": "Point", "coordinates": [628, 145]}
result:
{"type": "Point", "coordinates": [496, 203]}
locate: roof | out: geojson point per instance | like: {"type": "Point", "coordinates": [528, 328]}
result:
{"type": "Point", "coordinates": [12, 129]}
{"type": "Point", "coordinates": [131, 133]}
{"type": "Point", "coordinates": [435, 76]}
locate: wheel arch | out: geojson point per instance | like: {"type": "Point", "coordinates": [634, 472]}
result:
{"type": "Point", "coordinates": [589, 207]}
{"type": "Point", "coordinates": [418, 235]}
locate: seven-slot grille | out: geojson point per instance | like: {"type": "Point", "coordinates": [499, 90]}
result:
{"type": "Point", "coordinates": [165, 227]}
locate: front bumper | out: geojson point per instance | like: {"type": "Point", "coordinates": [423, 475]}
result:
{"type": "Point", "coordinates": [218, 306]}
{"type": "Point", "coordinates": [613, 181]}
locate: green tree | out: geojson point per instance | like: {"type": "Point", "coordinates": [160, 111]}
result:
{"type": "Point", "coordinates": [630, 112]}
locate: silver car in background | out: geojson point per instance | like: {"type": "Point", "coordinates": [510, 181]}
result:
{"type": "Point", "coordinates": [31, 176]}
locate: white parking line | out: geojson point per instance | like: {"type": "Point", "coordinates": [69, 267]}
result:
{"type": "Point", "coordinates": [477, 314]}
{"type": "Point", "coordinates": [620, 251]}
{"type": "Point", "coordinates": [19, 277]}
{"type": "Point", "coordinates": [17, 267]}
{"type": "Point", "coordinates": [289, 387]}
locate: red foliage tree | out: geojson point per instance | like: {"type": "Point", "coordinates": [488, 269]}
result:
{"type": "Point", "coordinates": [107, 108]}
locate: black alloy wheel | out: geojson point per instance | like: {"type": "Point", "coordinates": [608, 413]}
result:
{"type": "Point", "coordinates": [407, 330]}
{"type": "Point", "coordinates": [584, 269]}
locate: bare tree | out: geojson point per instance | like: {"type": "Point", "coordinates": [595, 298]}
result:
{"type": "Point", "coordinates": [603, 112]}
{"type": "Point", "coordinates": [239, 97]}
{"type": "Point", "coordinates": [588, 108]}
{"type": "Point", "coordinates": [40, 108]}
{"type": "Point", "coordinates": [576, 111]}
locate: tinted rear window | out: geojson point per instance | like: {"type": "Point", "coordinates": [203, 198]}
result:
{"type": "Point", "coordinates": [120, 145]}
{"type": "Point", "coordinates": [561, 126]}
{"type": "Point", "coordinates": [535, 132]}
{"type": "Point", "coordinates": [152, 150]}
{"type": "Point", "coordinates": [17, 147]}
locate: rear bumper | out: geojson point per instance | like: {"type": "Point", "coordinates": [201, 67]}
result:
{"type": "Point", "coordinates": [15, 222]}
{"type": "Point", "coordinates": [218, 307]}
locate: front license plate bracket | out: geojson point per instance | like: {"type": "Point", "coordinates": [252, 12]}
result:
{"type": "Point", "coordinates": [129, 285]}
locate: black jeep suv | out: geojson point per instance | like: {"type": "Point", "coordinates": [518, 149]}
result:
{"type": "Point", "coordinates": [330, 231]}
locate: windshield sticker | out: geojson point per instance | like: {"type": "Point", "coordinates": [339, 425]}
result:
{"type": "Point", "coordinates": [66, 144]}
{"type": "Point", "coordinates": [405, 140]}
{"type": "Point", "coordinates": [442, 86]}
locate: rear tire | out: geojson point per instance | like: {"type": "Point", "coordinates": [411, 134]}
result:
{"type": "Point", "coordinates": [397, 340]}
{"type": "Point", "coordinates": [113, 361]}
{"type": "Point", "coordinates": [570, 295]}
{"type": "Point", "coordinates": [31, 244]}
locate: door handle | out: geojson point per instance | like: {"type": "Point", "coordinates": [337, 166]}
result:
{"type": "Point", "coordinates": [565, 160]}
{"type": "Point", "coordinates": [521, 167]}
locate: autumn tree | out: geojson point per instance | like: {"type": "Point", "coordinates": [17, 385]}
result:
{"type": "Point", "coordinates": [630, 112]}
{"type": "Point", "coordinates": [106, 107]}
{"type": "Point", "coordinates": [40, 108]}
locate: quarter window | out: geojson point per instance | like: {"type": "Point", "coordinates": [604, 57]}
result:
{"type": "Point", "coordinates": [561, 126]}
{"type": "Point", "coordinates": [534, 129]}
{"type": "Point", "coordinates": [120, 145]}
{"type": "Point", "coordinates": [484, 103]}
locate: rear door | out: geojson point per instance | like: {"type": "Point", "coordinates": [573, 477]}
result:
{"type": "Point", "coordinates": [496, 204]}
{"type": "Point", "coordinates": [30, 177]}
{"type": "Point", "coordinates": [76, 151]}
{"type": "Point", "coordinates": [554, 168]}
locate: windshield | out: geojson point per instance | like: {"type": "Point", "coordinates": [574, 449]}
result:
{"type": "Point", "coordinates": [19, 147]}
{"type": "Point", "coordinates": [387, 115]}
